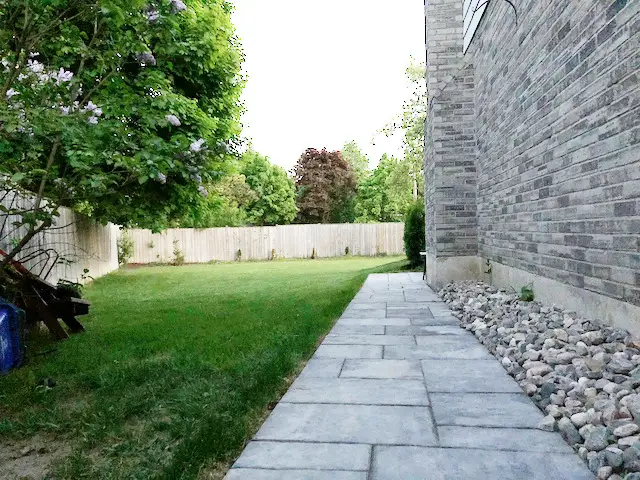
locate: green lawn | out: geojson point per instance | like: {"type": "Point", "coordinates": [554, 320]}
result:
{"type": "Point", "coordinates": [178, 364]}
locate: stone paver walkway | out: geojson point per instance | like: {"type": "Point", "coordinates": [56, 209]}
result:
{"type": "Point", "coordinates": [398, 390]}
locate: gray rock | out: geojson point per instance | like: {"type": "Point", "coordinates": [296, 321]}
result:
{"type": "Point", "coordinates": [632, 402]}
{"type": "Point", "coordinates": [546, 389]}
{"type": "Point", "coordinates": [595, 461]}
{"type": "Point", "coordinates": [620, 365]}
{"type": "Point", "coordinates": [613, 456]}
{"type": "Point", "coordinates": [582, 453]}
{"type": "Point", "coordinates": [548, 424]}
{"type": "Point", "coordinates": [597, 439]}
{"type": "Point", "coordinates": [593, 338]}
{"type": "Point", "coordinates": [604, 473]}
{"type": "Point", "coordinates": [569, 431]}
{"type": "Point", "coordinates": [626, 430]}
{"type": "Point", "coordinates": [631, 459]}
{"type": "Point", "coordinates": [626, 442]}
{"type": "Point", "coordinates": [580, 419]}
{"type": "Point", "coordinates": [554, 411]}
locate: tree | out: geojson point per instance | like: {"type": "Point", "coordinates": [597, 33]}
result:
{"type": "Point", "coordinates": [353, 155]}
{"type": "Point", "coordinates": [275, 199]}
{"type": "Point", "coordinates": [411, 122]}
{"type": "Point", "coordinates": [225, 206]}
{"type": "Point", "coordinates": [385, 194]}
{"type": "Point", "coordinates": [119, 110]}
{"type": "Point", "coordinates": [325, 186]}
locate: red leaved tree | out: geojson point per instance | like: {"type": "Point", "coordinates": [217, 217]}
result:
{"type": "Point", "coordinates": [326, 187]}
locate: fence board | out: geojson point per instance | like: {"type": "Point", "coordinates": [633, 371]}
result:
{"type": "Point", "coordinates": [80, 241]}
{"type": "Point", "coordinates": [260, 243]}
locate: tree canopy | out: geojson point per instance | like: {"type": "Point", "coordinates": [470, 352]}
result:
{"type": "Point", "coordinates": [122, 110]}
{"type": "Point", "coordinates": [274, 201]}
{"type": "Point", "coordinates": [325, 185]}
{"type": "Point", "coordinates": [411, 123]}
{"type": "Point", "coordinates": [254, 192]}
{"type": "Point", "coordinates": [356, 158]}
{"type": "Point", "coordinates": [385, 194]}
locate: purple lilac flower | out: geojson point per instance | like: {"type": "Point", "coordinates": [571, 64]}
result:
{"type": "Point", "coordinates": [197, 145]}
{"type": "Point", "coordinates": [178, 6]}
{"type": "Point", "coordinates": [63, 76]}
{"type": "Point", "coordinates": [146, 59]}
{"type": "Point", "coordinates": [173, 120]}
{"type": "Point", "coordinates": [152, 14]}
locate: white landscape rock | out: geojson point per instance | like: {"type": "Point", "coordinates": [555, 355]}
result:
{"type": "Point", "coordinates": [584, 376]}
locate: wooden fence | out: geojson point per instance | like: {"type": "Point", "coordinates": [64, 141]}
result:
{"type": "Point", "coordinates": [265, 243]}
{"type": "Point", "coordinates": [74, 243]}
{"type": "Point", "coordinates": [77, 243]}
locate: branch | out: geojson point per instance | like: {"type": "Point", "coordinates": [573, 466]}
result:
{"type": "Point", "coordinates": [96, 87]}
{"type": "Point", "coordinates": [50, 160]}
{"type": "Point", "coordinates": [28, 236]}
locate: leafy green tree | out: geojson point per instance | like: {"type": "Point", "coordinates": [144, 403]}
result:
{"type": "Point", "coordinates": [353, 155]}
{"type": "Point", "coordinates": [122, 110]}
{"type": "Point", "coordinates": [226, 204]}
{"type": "Point", "coordinates": [325, 185]}
{"type": "Point", "coordinates": [385, 194]}
{"type": "Point", "coordinates": [411, 123]}
{"type": "Point", "coordinates": [275, 198]}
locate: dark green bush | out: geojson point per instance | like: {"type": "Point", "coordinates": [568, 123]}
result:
{"type": "Point", "coordinates": [414, 232]}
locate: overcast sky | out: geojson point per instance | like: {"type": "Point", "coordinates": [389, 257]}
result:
{"type": "Point", "coordinates": [324, 72]}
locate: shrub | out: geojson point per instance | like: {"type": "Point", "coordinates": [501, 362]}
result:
{"type": "Point", "coordinates": [125, 248]}
{"type": "Point", "coordinates": [178, 256]}
{"type": "Point", "coordinates": [414, 235]}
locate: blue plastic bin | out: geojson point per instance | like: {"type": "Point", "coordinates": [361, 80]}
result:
{"type": "Point", "coordinates": [11, 348]}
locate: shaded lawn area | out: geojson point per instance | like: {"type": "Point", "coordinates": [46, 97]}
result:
{"type": "Point", "coordinates": [178, 364]}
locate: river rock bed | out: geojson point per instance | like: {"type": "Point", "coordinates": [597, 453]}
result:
{"type": "Point", "coordinates": [585, 376]}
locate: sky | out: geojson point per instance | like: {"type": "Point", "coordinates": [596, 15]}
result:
{"type": "Point", "coordinates": [323, 72]}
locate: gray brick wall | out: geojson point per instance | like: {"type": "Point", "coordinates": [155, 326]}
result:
{"type": "Point", "coordinates": [450, 143]}
{"type": "Point", "coordinates": [557, 131]}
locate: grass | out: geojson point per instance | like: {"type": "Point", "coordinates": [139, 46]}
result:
{"type": "Point", "coordinates": [178, 365]}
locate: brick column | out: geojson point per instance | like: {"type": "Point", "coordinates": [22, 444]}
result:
{"type": "Point", "coordinates": [450, 150]}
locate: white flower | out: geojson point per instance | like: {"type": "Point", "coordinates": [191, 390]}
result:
{"type": "Point", "coordinates": [173, 120]}
{"type": "Point", "coordinates": [34, 54]}
{"type": "Point", "coordinates": [197, 145]}
{"type": "Point", "coordinates": [65, 110]}
{"type": "Point", "coordinates": [98, 112]}
{"type": "Point", "coordinates": [35, 66]}
{"type": "Point", "coordinates": [93, 120]}
{"type": "Point", "coordinates": [63, 76]}
{"type": "Point", "coordinates": [11, 92]}
{"type": "Point", "coordinates": [178, 6]}
{"type": "Point", "coordinates": [90, 106]}
{"type": "Point", "coordinates": [22, 76]}
{"type": "Point", "coordinates": [203, 191]}
{"type": "Point", "coordinates": [5, 63]}
{"type": "Point", "coordinates": [162, 178]}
